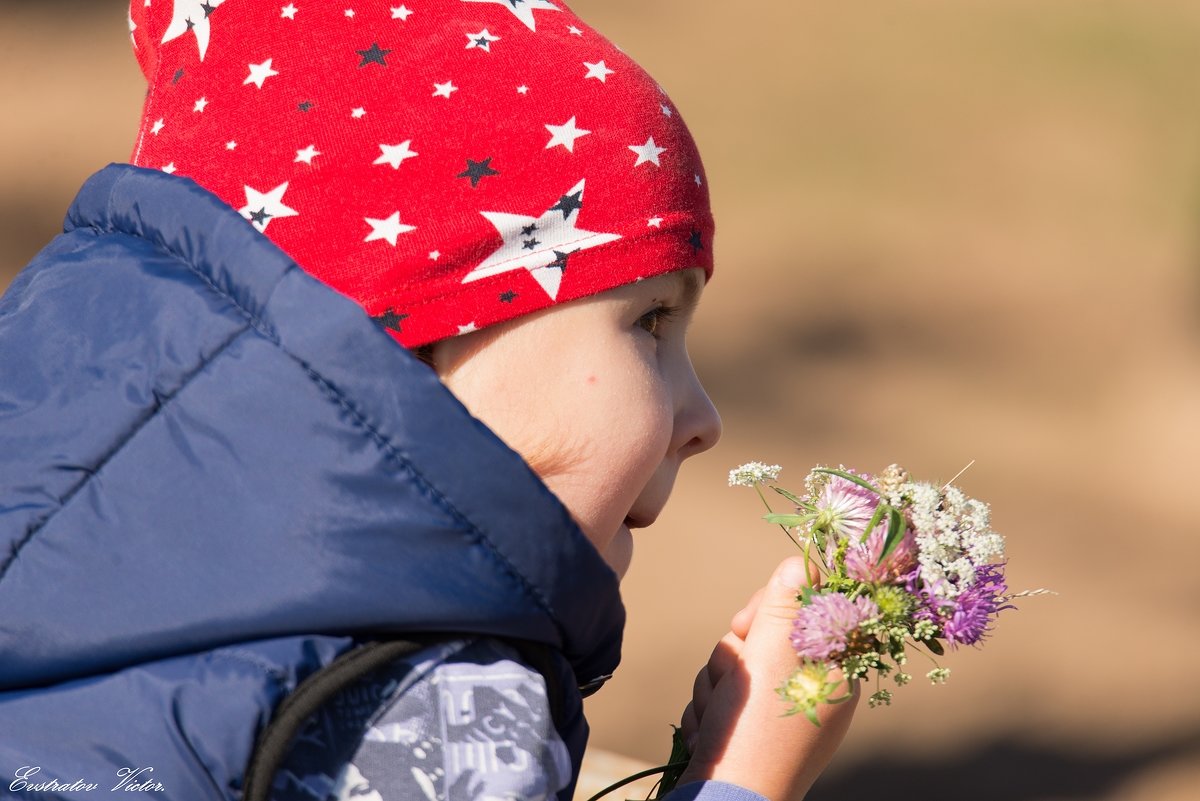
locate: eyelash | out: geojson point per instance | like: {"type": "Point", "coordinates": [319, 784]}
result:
{"type": "Point", "coordinates": [656, 317]}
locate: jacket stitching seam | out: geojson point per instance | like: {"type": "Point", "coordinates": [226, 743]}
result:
{"type": "Point", "coordinates": [394, 453]}
{"type": "Point", "coordinates": [133, 431]}
{"type": "Point", "coordinates": [381, 441]}
{"type": "Point", "coordinates": [252, 660]}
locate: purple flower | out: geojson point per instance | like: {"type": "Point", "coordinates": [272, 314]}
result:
{"type": "Point", "coordinates": [967, 618]}
{"type": "Point", "coordinates": [976, 607]}
{"type": "Point", "coordinates": [862, 559]}
{"type": "Point", "coordinates": [824, 627]}
{"type": "Point", "coordinates": [844, 508]}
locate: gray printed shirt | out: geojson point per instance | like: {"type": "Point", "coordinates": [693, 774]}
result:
{"type": "Point", "coordinates": [462, 720]}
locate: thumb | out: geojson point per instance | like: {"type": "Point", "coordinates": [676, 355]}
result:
{"type": "Point", "coordinates": [768, 642]}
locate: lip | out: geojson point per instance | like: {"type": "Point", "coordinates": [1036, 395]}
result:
{"type": "Point", "coordinates": [633, 521]}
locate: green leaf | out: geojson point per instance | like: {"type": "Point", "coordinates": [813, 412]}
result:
{"type": "Point", "coordinates": [811, 714]}
{"type": "Point", "coordinates": [880, 509]}
{"type": "Point", "coordinates": [786, 520]}
{"type": "Point", "coordinates": [848, 476]}
{"type": "Point", "coordinates": [895, 533]}
{"type": "Point", "coordinates": [793, 498]}
{"type": "Point", "coordinates": [676, 764]}
{"type": "Point", "coordinates": [679, 749]}
{"type": "Point", "coordinates": [934, 647]}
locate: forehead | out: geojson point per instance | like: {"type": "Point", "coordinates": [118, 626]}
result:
{"type": "Point", "coordinates": [683, 286]}
{"type": "Point", "coordinates": [690, 283]}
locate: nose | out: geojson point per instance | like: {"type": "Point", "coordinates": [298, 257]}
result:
{"type": "Point", "coordinates": [697, 423]}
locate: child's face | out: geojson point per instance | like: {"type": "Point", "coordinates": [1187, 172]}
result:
{"type": "Point", "coordinates": [599, 396]}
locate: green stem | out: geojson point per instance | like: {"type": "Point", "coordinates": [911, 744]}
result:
{"type": "Point", "coordinates": [763, 498]}
{"type": "Point", "coordinates": [640, 775]}
{"type": "Point", "coordinates": [924, 652]}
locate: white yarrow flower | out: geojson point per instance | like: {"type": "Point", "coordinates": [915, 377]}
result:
{"type": "Point", "coordinates": [753, 473]}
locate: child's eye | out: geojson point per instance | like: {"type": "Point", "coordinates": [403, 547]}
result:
{"type": "Point", "coordinates": [652, 320]}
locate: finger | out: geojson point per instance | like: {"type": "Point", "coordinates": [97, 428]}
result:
{"type": "Point", "coordinates": [740, 625]}
{"type": "Point", "coordinates": [723, 659]}
{"type": "Point", "coordinates": [689, 725]}
{"type": "Point", "coordinates": [769, 639]}
{"type": "Point", "coordinates": [725, 656]}
{"type": "Point", "coordinates": [702, 689]}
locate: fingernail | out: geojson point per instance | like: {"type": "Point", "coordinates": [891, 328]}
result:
{"type": "Point", "coordinates": [793, 574]}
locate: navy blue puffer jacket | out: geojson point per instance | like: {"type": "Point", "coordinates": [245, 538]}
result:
{"type": "Point", "coordinates": [215, 475]}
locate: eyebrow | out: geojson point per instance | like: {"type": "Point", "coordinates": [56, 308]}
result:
{"type": "Point", "coordinates": [689, 284]}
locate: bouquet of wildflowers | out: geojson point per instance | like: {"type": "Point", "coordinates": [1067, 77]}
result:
{"type": "Point", "coordinates": [902, 564]}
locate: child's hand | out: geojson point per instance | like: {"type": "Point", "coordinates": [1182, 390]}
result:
{"type": "Point", "coordinates": [735, 724]}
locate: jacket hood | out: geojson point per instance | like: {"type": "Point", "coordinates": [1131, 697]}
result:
{"type": "Point", "coordinates": [202, 445]}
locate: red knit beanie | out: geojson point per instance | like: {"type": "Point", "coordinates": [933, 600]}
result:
{"type": "Point", "coordinates": [448, 164]}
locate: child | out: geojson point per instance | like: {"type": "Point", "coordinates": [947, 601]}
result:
{"type": "Point", "coordinates": [220, 475]}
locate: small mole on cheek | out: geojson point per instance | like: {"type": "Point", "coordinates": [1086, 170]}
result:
{"type": "Point", "coordinates": [591, 379]}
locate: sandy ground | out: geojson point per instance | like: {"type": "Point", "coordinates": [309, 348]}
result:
{"type": "Point", "coordinates": [947, 231]}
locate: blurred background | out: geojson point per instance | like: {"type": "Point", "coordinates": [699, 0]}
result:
{"type": "Point", "coordinates": [948, 230]}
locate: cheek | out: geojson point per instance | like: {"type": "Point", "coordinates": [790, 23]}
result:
{"type": "Point", "coordinates": [631, 435]}
{"type": "Point", "coordinates": [632, 406]}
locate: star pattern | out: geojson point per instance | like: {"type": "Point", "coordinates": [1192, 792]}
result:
{"type": "Point", "coordinates": [191, 16]}
{"type": "Point", "coordinates": [373, 55]}
{"type": "Point", "coordinates": [557, 234]}
{"type": "Point", "coordinates": [522, 9]}
{"type": "Point", "coordinates": [395, 155]}
{"type": "Point", "coordinates": [387, 229]}
{"type": "Point", "coordinates": [367, 57]}
{"type": "Point", "coordinates": [648, 152]}
{"type": "Point", "coordinates": [262, 207]}
{"type": "Point", "coordinates": [259, 73]}
{"type": "Point", "coordinates": [390, 320]}
{"type": "Point", "coordinates": [565, 135]}
{"type": "Point", "coordinates": [560, 260]}
{"type": "Point", "coordinates": [598, 71]}
{"type": "Point", "coordinates": [478, 170]}
{"type": "Point", "coordinates": [482, 40]}
{"type": "Point", "coordinates": [569, 203]}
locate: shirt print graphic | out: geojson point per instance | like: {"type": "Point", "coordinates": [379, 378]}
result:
{"type": "Point", "coordinates": [462, 721]}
